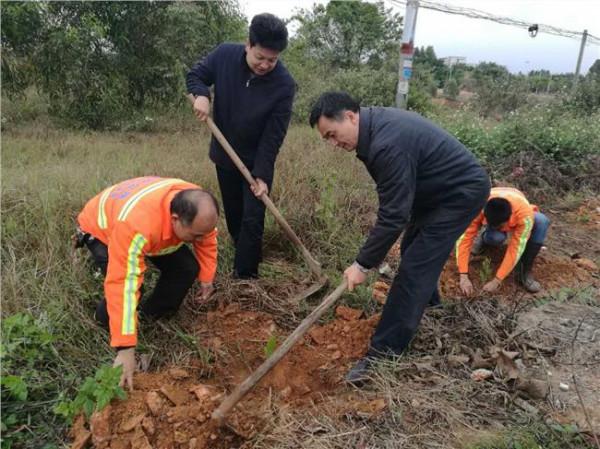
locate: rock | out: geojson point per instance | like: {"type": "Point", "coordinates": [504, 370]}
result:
{"type": "Point", "coordinates": [175, 395]}
{"type": "Point", "coordinates": [202, 392]}
{"type": "Point", "coordinates": [178, 373]}
{"type": "Point", "coordinates": [82, 438]}
{"type": "Point", "coordinates": [533, 388]}
{"type": "Point", "coordinates": [336, 355]}
{"type": "Point", "coordinates": [140, 440]}
{"type": "Point", "coordinates": [131, 423]}
{"type": "Point", "coordinates": [100, 427]}
{"type": "Point", "coordinates": [318, 335]}
{"type": "Point", "coordinates": [148, 426]}
{"type": "Point", "coordinates": [587, 264]}
{"type": "Point", "coordinates": [332, 347]}
{"type": "Point", "coordinates": [154, 402]}
{"type": "Point", "coordinates": [348, 313]}
{"type": "Point", "coordinates": [481, 374]}
{"type": "Point", "coordinates": [193, 443]}
{"type": "Point", "coordinates": [563, 386]}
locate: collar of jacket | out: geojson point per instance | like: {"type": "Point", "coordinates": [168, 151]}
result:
{"type": "Point", "coordinates": [251, 74]}
{"type": "Point", "coordinates": [364, 134]}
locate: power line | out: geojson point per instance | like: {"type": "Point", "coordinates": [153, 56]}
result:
{"type": "Point", "coordinates": [476, 14]}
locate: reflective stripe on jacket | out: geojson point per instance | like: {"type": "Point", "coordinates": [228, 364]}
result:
{"type": "Point", "coordinates": [519, 226]}
{"type": "Point", "coordinates": [133, 219]}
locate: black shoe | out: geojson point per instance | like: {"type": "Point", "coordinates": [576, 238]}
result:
{"type": "Point", "coordinates": [359, 374]}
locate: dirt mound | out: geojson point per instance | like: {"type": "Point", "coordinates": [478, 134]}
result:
{"type": "Point", "coordinates": [552, 271]}
{"type": "Point", "coordinates": [171, 409]}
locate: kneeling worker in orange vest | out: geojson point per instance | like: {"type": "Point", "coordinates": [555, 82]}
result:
{"type": "Point", "coordinates": [507, 212]}
{"type": "Point", "coordinates": [148, 218]}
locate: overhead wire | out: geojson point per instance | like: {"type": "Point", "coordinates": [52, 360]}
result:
{"type": "Point", "coordinates": [477, 14]}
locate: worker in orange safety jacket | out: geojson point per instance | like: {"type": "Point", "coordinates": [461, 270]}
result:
{"type": "Point", "coordinates": [507, 215]}
{"type": "Point", "coordinates": [148, 218]}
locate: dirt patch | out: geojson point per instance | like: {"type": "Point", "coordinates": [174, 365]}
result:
{"type": "Point", "coordinates": [564, 349]}
{"type": "Point", "coordinates": [171, 409]}
{"type": "Point", "coordinates": [552, 271]}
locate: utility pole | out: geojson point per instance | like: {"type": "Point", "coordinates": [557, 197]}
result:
{"type": "Point", "coordinates": [406, 52]}
{"type": "Point", "coordinates": [580, 57]}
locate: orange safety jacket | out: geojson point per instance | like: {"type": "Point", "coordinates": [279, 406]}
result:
{"type": "Point", "coordinates": [519, 226]}
{"type": "Point", "coordinates": [133, 219]}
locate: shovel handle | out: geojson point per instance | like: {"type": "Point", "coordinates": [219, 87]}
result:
{"type": "Point", "coordinates": [230, 401]}
{"type": "Point", "coordinates": [313, 264]}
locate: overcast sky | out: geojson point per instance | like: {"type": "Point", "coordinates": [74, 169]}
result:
{"type": "Point", "coordinates": [482, 40]}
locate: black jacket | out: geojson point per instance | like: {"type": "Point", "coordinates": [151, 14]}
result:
{"type": "Point", "coordinates": [420, 171]}
{"type": "Point", "coordinates": [253, 112]}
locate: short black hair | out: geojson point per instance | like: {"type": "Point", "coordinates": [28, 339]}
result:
{"type": "Point", "coordinates": [497, 211]}
{"type": "Point", "coordinates": [268, 31]}
{"type": "Point", "coordinates": [185, 204]}
{"type": "Point", "coordinates": [332, 105]}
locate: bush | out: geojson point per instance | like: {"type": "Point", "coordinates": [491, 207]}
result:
{"type": "Point", "coordinates": [451, 89]}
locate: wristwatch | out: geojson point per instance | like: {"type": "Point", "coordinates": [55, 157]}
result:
{"type": "Point", "coordinates": [361, 268]}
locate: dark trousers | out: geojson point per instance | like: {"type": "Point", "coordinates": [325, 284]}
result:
{"type": "Point", "coordinates": [426, 246]}
{"type": "Point", "coordinates": [178, 271]}
{"type": "Point", "coordinates": [245, 216]}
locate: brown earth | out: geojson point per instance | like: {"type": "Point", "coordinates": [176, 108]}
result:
{"type": "Point", "coordinates": [171, 408]}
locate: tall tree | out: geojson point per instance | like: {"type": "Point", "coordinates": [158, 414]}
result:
{"type": "Point", "coordinates": [349, 34]}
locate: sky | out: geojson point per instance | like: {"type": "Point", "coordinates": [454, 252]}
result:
{"type": "Point", "coordinates": [482, 40]}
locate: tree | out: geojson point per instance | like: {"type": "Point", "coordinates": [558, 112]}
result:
{"type": "Point", "coordinates": [349, 34]}
{"type": "Point", "coordinates": [100, 61]}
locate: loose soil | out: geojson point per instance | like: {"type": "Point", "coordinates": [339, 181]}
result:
{"type": "Point", "coordinates": [171, 408]}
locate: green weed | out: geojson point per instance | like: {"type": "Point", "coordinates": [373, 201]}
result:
{"type": "Point", "coordinates": [94, 394]}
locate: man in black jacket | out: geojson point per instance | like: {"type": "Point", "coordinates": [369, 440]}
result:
{"type": "Point", "coordinates": [429, 186]}
{"type": "Point", "coordinates": [252, 106]}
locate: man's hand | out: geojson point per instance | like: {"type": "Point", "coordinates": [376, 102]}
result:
{"type": "Point", "coordinates": [126, 359]}
{"type": "Point", "coordinates": [492, 286]}
{"type": "Point", "coordinates": [202, 107]}
{"type": "Point", "coordinates": [206, 290]}
{"type": "Point", "coordinates": [259, 188]}
{"type": "Point", "coordinates": [354, 276]}
{"type": "Point", "coordinates": [465, 285]}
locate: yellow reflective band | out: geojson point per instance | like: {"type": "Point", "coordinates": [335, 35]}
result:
{"type": "Point", "coordinates": [102, 221]}
{"type": "Point", "coordinates": [523, 239]}
{"type": "Point", "coordinates": [130, 204]}
{"type": "Point", "coordinates": [168, 250]}
{"type": "Point", "coordinates": [458, 242]}
{"type": "Point", "coordinates": [130, 285]}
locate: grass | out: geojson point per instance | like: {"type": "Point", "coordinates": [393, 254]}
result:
{"type": "Point", "coordinates": [49, 174]}
{"type": "Point", "coordinates": [328, 199]}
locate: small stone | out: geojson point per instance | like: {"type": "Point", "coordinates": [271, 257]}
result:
{"type": "Point", "coordinates": [175, 395]}
{"type": "Point", "coordinates": [202, 392]}
{"type": "Point", "coordinates": [193, 443]}
{"type": "Point", "coordinates": [154, 402]}
{"type": "Point", "coordinates": [336, 355]}
{"type": "Point", "coordinates": [481, 374]}
{"type": "Point", "coordinates": [563, 386]}
{"type": "Point", "coordinates": [148, 425]}
{"type": "Point", "coordinates": [131, 423]}
{"type": "Point", "coordinates": [332, 347]}
{"type": "Point", "coordinates": [178, 373]}
{"type": "Point", "coordinates": [213, 436]}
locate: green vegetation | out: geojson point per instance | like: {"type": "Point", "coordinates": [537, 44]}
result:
{"type": "Point", "coordinates": [94, 394]}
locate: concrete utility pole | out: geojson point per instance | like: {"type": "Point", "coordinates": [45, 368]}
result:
{"type": "Point", "coordinates": [580, 57]}
{"type": "Point", "coordinates": [406, 52]}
